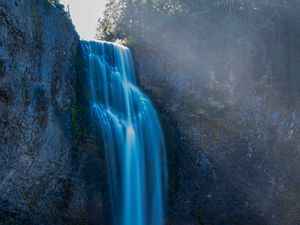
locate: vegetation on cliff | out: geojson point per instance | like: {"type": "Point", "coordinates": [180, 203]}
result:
{"type": "Point", "coordinates": [184, 24]}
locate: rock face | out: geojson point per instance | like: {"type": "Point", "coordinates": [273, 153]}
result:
{"type": "Point", "coordinates": [39, 182]}
{"type": "Point", "coordinates": [236, 160]}
{"type": "Point", "coordinates": [233, 136]}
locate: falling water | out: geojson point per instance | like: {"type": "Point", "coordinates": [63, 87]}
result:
{"type": "Point", "coordinates": [130, 127]}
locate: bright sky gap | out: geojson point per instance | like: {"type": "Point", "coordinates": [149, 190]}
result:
{"type": "Point", "coordinates": [85, 15]}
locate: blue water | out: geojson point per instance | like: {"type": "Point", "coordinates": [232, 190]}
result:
{"type": "Point", "coordinates": [134, 143]}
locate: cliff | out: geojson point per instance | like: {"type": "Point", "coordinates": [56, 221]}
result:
{"type": "Point", "coordinates": [224, 79]}
{"type": "Point", "coordinates": [235, 124]}
{"type": "Point", "coordinates": [37, 180]}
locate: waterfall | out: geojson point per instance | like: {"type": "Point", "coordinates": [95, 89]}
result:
{"type": "Point", "coordinates": [134, 144]}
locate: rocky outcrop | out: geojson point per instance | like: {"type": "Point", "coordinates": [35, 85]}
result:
{"type": "Point", "coordinates": [235, 159]}
{"type": "Point", "coordinates": [39, 181]}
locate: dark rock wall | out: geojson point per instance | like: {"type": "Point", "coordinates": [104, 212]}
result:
{"type": "Point", "coordinates": [237, 152]}
{"type": "Point", "coordinates": [43, 174]}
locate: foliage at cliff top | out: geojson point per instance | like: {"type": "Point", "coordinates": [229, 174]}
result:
{"type": "Point", "coordinates": [270, 30]}
{"type": "Point", "coordinates": [133, 17]}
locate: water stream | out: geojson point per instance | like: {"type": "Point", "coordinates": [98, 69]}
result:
{"type": "Point", "coordinates": [134, 143]}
